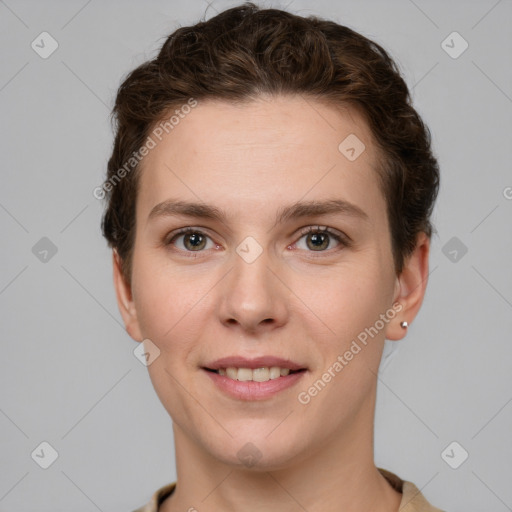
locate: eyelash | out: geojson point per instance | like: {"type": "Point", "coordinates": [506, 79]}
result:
{"type": "Point", "coordinates": [343, 240]}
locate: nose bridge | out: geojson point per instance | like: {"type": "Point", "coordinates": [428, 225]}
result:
{"type": "Point", "coordinates": [251, 294]}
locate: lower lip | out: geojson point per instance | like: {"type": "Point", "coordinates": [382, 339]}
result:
{"type": "Point", "coordinates": [251, 390]}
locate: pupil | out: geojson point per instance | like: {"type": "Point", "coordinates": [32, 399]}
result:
{"type": "Point", "coordinates": [318, 241]}
{"type": "Point", "coordinates": [195, 240]}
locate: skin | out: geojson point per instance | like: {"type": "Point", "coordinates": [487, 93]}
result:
{"type": "Point", "coordinates": [293, 301]}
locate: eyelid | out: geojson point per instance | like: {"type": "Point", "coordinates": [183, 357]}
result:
{"type": "Point", "coordinates": [322, 229]}
{"type": "Point", "coordinates": [184, 231]}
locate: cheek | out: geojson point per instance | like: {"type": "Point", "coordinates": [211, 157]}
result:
{"type": "Point", "coordinates": [171, 305]}
{"type": "Point", "coordinates": [350, 351]}
{"type": "Point", "coordinates": [171, 313]}
{"type": "Point", "coordinates": [350, 305]}
{"type": "Point", "coordinates": [346, 298]}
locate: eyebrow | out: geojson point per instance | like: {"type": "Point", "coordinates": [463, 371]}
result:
{"type": "Point", "coordinates": [299, 209]}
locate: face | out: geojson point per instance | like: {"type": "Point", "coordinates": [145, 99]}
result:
{"type": "Point", "coordinates": [285, 261]}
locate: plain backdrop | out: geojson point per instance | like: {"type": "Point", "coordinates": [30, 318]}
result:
{"type": "Point", "coordinates": [68, 374]}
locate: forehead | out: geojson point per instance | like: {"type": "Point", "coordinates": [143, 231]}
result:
{"type": "Point", "coordinates": [255, 154]}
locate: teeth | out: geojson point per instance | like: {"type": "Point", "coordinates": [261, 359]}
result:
{"type": "Point", "coordinates": [244, 374]}
{"type": "Point", "coordinates": [257, 375]}
{"type": "Point", "coordinates": [275, 372]}
{"type": "Point", "coordinates": [232, 373]}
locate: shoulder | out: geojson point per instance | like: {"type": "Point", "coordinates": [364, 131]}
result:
{"type": "Point", "coordinates": [412, 498]}
{"type": "Point", "coordinates": [157, 498]}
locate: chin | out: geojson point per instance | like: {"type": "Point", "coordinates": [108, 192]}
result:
{"type": "Point", "coordinates": [256, 450]}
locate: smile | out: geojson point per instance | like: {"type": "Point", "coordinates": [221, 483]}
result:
{"type": "Point", "coordinates": [252, 389]}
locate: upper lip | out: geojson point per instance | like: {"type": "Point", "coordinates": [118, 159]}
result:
{"type": "Point", "coordinates": [257, 362]}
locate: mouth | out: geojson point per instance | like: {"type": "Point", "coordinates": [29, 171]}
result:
{"type": "Point", "coordinates": [253, 379]}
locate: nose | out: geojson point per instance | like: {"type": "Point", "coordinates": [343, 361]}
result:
{"type": "Point", "coordinates": [252, 297]}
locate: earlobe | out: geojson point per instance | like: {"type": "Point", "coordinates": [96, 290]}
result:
{"type": "Point", "coordinates": [124, 297]}
{"type": "Point", "coordinates": [410, 288]}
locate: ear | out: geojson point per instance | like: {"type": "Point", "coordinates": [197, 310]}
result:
{"type": "Point", "coordinates": [410, 287]}
{"type": "Point", "coordinates": [125, 299]}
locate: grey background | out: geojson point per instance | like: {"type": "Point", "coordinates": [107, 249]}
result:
{"type": "Point", "coordinates": [68, 375]}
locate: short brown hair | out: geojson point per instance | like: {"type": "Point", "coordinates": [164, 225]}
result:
{"type": "Point", "coordinates": [245, 52]}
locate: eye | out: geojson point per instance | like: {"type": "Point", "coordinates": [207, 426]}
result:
{"type": "Point", "coordinates": [190, 240]}
{"type": "Point", "coordinates": [320, 239]}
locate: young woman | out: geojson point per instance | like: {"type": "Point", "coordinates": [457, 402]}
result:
{"type": "Point", "coordinates": [268, 203]}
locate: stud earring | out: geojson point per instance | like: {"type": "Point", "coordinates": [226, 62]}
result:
{"type": "Point", "coordinates": [404, 325]}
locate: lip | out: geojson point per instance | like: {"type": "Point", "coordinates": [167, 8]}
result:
{"type": "Point", "coordinates": [251, 390]}
{"type": "Point", "coordinates": [258, 362]}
